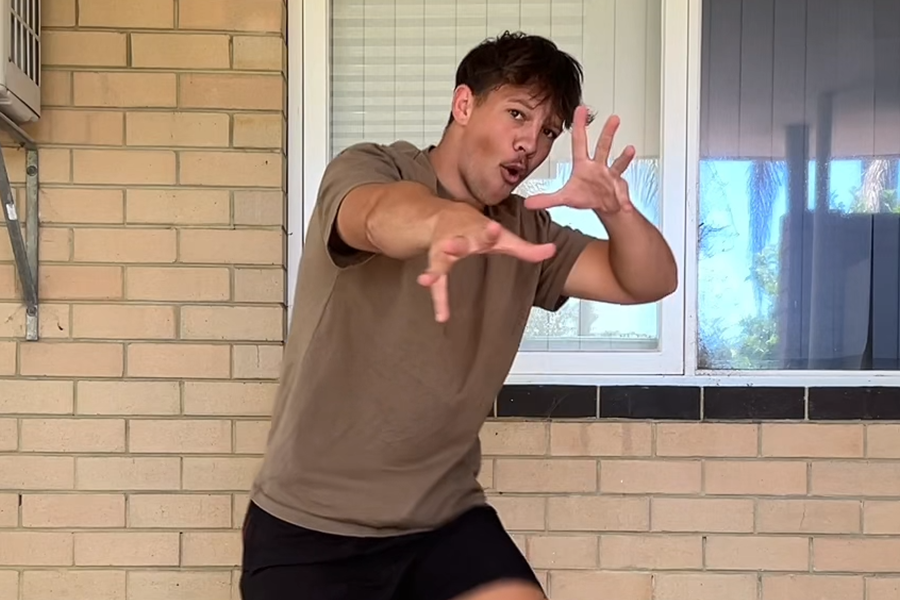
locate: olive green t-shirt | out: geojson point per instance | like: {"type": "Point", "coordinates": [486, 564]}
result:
{"type": "Point", "coordinates": [376, 422]}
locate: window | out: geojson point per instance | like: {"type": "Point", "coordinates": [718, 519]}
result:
{"type": "Point", "coordinates": [799, 218]}
{"type": "Point", "coordinates": [768, 138]}
{"type": "Point", "coordinates": [390, 70]}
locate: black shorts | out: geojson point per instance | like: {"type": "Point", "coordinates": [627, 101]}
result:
{"type": "Point", "coordinates": [282, 561]}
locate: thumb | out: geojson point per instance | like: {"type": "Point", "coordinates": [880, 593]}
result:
{"type": "Point", "coordinates": [541, 201]}
{"type": "Point", "coordinates": [512, 245]}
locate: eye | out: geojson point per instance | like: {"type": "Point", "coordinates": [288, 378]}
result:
{"type": "Point", "coordinates": [516, 113]}
{"type": "Point", "coordinates": [551, 134]}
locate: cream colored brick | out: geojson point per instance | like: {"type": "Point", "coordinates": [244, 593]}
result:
{"type": "Point", "coordinates": [486, 474]}
{"type": "Point", "coordinates": [245, 323]}
{"type": "Point", "coordinates": [144, 14]}
{"type": "Point", "coordinates": [110, 321]}
{"type": "Point", "coordinates": [55, 244]}
{"type": "Point", "coordinates": [179, 361]}
{"type": "Point", "coordinates": [542, 475]}
{"type": "Point", "coordinates": [22, 396]}
{"type": "Point", "coordinates": [180, 585]}
{"type": "Point", "coordinates": [562, 551]}
{"type": "Point", "coordinates": [180, 51]}
{"type": "Point", "coordinates": [513, 438]}
{"type": "Point", "coordinates": [58, 282]}
{"type": "Point", "coordinates": [258, 53]}
{"type": "Point", "coordinates": [178, 284]}
{"type": "Point", "coordinates": [232, 246]}
{"type": "Point", "coordinates": [128, 473]}
{"type": "Point", "coordinates": [705, 586]}
{"type": "Point", "coordinates": [860, 555]}
{"type": "Point", "coordinates": [73, 205]}
{"type": "Point", "coordinates": [259, 208]}
{"type": "Point", "coordinates": [229, 398]}
{"type": "Point", "coordinates": [241, 503]}
{"type": "Point", "coordinates": [651, 552]}
{"type": "Point", "coordinates": [124, 89]}
{"type": "Point", "coordinates": [258, 131]}
{"type": "Point", "coordinates": [74, 584]}
{"type": "Point", "coordinates": [231, 15]}
{"type": "Point", "coordinates": [54, 321]}
{"type": "Point", "coordinates": [8, 283]}
{"type": "Point", "coordinates": [65, 359]}
{"type": "Point", "coordinates": [820, 587]}
{"type": "Point", "coordinates": [9, 434]}
{"type": "Point", "coordinates": [184, 207]}
{"type": "Point", "coordinates": [211, 549]}
{"type": "Point", "coordinates": [231, 168]}
{"type": "Point", "coordinates": [650, 477]}
{"type": "Point", "coordinates": [73, 510]}
{"type": "Point", "coordinates": [702, 514]}
{"type": "Point", "coordinates": [9, 513]}
{"type": "Point", "coordinates": [520, 513]}
{"type": "Point", "coordinates": [883, 588]}
{"type": "Point", "coordinates": [87, 127]}
{"type": "Point", "coordinates": [177, 129]}
{"type": "Point", "coordinates": [219, 474]}
{"type": "Point", "coordinates": [181, 436]}
{"type": "Point", "coordinates": [807, 516]}
{"type": "Point", "coordinates": [757, 553]}
{"type": "Point", "coordinates": [881, 517]}
{"type": "Point", "coordinates": [32, 548]}
{"type": "Point", "coordinates": [7, 358]}
{"type": "Point", "coordinates": [136, 167]}
{"type": "Point", "coordinates": [883, 440]}
{"type": "Point", "coordinates": [706, 439]}
{"type": "Point", "coordinates": [600, 439]}
{"type": "Point", "coordinates": [125, 245]}
{"type": "Point", "coordinates": [259, 285]}
{"type": "Point", "coordinates": [55, 166]}
{"type": "Point", "coordinates": [598, 513]}
{"type": "Point", "coordinates": [73, 435]}
{"type": "Point", "coordinates": [577, 585]}
{"type": "Point", "coordinates": [256, 362]}
{"type": "Point", "coordinates": [230, 91]}
{"type": "Point", "coordinates": [84, 48]}
{"type": "Point", "coordinates": [765, 477]}
{"type": "Point", "coordinates": [128, 398]}
{"type": "Point", "coordinates": [57, 13]}
{"type": "Point", "coordinates": [855, 478]}
{"type": "Point", "coordinates": [126, 549]}
{"type": "Point", "coordinates": [812, 440]}
{"type": "Point", "coordinates": [20, 472]}
{"type": "Point", "coordinates": [182, 511]}
{"type": "Point", "coordinates": [56, 89]}
{"type": "Point", "coordinates": [250, 436]}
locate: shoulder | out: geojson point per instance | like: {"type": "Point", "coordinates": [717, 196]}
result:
{"type": "Point", "coordinates": [404, 160]}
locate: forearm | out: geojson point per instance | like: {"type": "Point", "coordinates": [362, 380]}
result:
{"type": "Point", "coordinates": [395, 219]}
{"type": "Point", "coordinates": [639, 256]}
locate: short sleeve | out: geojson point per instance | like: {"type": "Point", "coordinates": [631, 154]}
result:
{"type": "Point", "coordinates": [357, 165]}
{"type": "Point", "coordinates": [570, 243]}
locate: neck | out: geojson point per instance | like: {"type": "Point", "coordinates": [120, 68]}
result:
{"type": "Point", "coordinates": [444, 159]}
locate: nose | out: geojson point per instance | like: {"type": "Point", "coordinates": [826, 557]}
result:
{"type": "Point", "coordinates": [527, 141]}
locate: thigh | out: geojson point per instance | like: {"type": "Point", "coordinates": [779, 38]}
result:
{"type": "Point", "coordinates": [470, 558]}
{"type": "Point", "coordinates": [283, 562]}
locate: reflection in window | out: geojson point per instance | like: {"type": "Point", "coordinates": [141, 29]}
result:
{"type": "Point", "coordinates": [799, 218]}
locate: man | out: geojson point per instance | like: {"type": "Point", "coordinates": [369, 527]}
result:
{"type": "Point", "coordinates": [418, 275]}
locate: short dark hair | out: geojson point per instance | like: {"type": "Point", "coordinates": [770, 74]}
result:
{"type": "Point", "coordinates": [521, 59]}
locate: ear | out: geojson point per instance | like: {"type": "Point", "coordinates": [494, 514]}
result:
{"type": "Point", "coordinates": [463, 104]}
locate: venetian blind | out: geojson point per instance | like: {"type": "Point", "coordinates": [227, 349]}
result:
{"type": "Point", "coordinates": [394, 62]}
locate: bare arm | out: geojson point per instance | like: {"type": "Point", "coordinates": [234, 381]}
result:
{"type": "Point", "coordinates": [635, 266]}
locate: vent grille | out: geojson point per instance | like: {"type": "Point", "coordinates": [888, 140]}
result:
{"type": "Point", "coordinates": [25, 38]}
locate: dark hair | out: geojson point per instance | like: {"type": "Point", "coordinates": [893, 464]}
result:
{"type": "Point", "coordinates": [520, 59]}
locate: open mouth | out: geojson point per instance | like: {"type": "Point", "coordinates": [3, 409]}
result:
{"type": "Point", "coordinates": [512, 174]}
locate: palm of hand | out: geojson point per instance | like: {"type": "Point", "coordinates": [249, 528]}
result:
{"type": "Point", "coordinates": [593, 184]}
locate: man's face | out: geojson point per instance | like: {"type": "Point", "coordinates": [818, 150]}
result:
{"type": "Point", "coordinates": [505, 137]}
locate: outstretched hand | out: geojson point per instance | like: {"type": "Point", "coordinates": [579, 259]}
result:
{"type": "Point", "coordinates": [594, 184]}
{"type": "Point", "coordinates": [462, 232]}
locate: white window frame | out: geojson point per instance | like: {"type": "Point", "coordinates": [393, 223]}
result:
{"type": "Point", "coordinates": [675, 363]}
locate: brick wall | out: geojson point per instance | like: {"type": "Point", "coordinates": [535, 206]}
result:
{"type": "Point", "coordinates": [130, 432]}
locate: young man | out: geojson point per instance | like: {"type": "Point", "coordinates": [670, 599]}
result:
{"type": "Point", "coordinates": [418, 275]}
